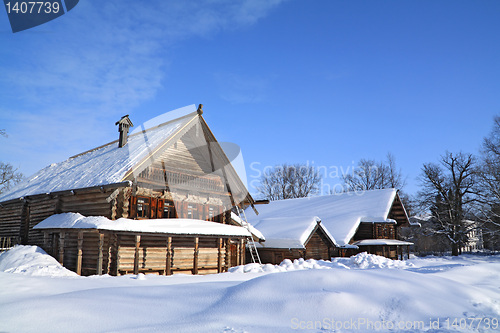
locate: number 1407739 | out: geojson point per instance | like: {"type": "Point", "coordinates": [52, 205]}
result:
{"type": "Point", "coordinates": [33, 7]}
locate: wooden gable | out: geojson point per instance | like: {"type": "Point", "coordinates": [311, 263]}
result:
{"type": "Point", "coordinates": [191, 171]}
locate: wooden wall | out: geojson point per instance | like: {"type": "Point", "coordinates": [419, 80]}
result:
{"type": "Point", "coordinates": [126, 253]}
{"type": "Point", "coordinates": [318, 247]}
{"type": "Point", "coordinates": [10, 218]}
{"type": "Point", "coordinates": [375, 231]}
{"type": "Point", "coordinates": [276, 256]}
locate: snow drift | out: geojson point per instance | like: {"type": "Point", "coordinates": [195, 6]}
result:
{"type": "Point", "coordinates": [31, 260]}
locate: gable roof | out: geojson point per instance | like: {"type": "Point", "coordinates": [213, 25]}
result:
{"type": "Point", "coordinates": [109, 164]}
{"type": "Point", "coordinates": [289, 232]}
{"type": "Point", "coordinates": [340, 214]}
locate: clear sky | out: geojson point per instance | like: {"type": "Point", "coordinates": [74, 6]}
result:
{"type": "Point", "coordinates": [320, 82]}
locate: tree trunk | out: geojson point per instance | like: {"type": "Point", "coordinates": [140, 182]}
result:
{"type": "Point", "coordinates": [454, 249]}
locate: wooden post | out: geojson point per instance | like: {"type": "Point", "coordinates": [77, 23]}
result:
{"type": "Point", "coordinates": [238, 252]}
{"type": "Point", "coordinates": [219, 255]}
{"type": "Point", "coordinates": [117, 268]}
{"type": "Point", "coordinates": [79, 253]}
{"type": "Point", "coordinates": [99, 254]}
{"type": "Point", "coordinates": [196, 252]}
{"type": "Point", "coordinates": [168, 268]}
{"type": "Point", "coordinates": [242, 251]}
{"type": "Point", "coordinates": [61, 247]}
{"type": "Point", "coordinates": [228, 255]}
{"type": "Point", "coordinates": [136, 254]}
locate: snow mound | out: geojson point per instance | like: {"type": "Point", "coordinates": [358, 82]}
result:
{"type": "Point", "coordinates": [359, 261]}
{"type": "Point", "coordinates": [31, 260]}
{"type": "Point", "coordinates": [369, 261]}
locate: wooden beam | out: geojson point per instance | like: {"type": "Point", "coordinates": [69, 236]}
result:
{"type": "Point", "coordinates": [228, 255]}
{"type": "Point", "coordinates": [242, 251]}
{"type": "Point", "coordinates": [219, 255]}
{"type": "Point", "coordinates": [168, 266]}
{"type": "Point", "coordinates": [196, 253]}
{"type": "Point", "coordinates": [61, 248]}
{"type": "Point", "coordinates": [136, 253]}
{"type": "Point", "coordinates": [117, 249]}
{"type": "Point", "coordinates": [99, 255]}
{"type": "Point", "coordinates": [79, 253]}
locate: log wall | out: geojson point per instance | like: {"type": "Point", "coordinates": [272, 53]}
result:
{"type": "Point", "coordinates": [318, 247]}
{"type": "Point", "coordinates": [10, 219]}
{"type": "Point", "coordinates": [89, 252]}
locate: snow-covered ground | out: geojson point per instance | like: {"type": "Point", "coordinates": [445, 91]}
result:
{"type": "Point", "coordinates": [359, 294]}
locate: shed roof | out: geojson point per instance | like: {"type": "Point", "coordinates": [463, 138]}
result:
{"type": "Point", "coordinates": [340, 214]}
{"type": "Point", "coordinates": [159, 226]}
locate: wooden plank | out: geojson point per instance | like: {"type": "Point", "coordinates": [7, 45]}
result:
{"type": "Point", "coordinates": [168, 268]}
{"type": "Point", "coordinates": [79, 253]}
{"type": "Point", "coordinates": [99, 255]}
{"type": "Point", "coordinates": [242, 251]}
{"type": "Point", "coordinates": [228, 255]}
{"type": "Point", "coordinates": [196, 253]}
{"type": "Point", "coordinates": [136, 253]}
{"type": "Point", "coordinates": [219, 255]}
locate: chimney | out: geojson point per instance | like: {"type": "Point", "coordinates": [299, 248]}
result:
{"type": "Point", "coordinates": [123, 124]}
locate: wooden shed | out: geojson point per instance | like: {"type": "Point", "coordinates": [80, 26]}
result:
{"type": "Point", "coordinates": [293, 238]}
{"type": "Point", "coordinates": [97, 245]}
{"type": "Point", "coordinates": [171, 167]}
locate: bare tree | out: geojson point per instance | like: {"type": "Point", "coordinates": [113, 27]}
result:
{"type": "Point", "coordinates": [489, 177]}
{"type": "Point", "coordinates": [289, 181]}
{"type": "Point", "coordinates": [449, 192]}
{"type": "Point", "coordinates": [372, 175]}
{"type": "Point", "coordinates": [8, 176]}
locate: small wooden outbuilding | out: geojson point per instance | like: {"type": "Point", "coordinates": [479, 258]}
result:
{"type": "Point", "coordinates": [97, 245]}
{"type": "Point", "coordinates": [352, 222]}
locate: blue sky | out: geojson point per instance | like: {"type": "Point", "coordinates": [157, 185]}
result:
{"type": "Point", "coordinates": [319, 82]}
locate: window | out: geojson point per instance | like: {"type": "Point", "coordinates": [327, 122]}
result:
{"type": "Point", "coordinates": [169, 209]}
{"type": "Point", "coordinates": [192, 211]}
{"type": "Point", "coordinates": [143, 207]}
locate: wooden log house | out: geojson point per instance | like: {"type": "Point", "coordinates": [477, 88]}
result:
{"type": "Point", "coordinates": [172, 169]}
{"type": "Point", "coordinates": [347, 224]}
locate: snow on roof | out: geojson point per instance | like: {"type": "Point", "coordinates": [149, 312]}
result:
{"type": "Point", "coordinates": [340, 214]}
{"type": "Point", "coordinates": [366, 242]}
{"type": "Point", "coordinates": [251, 228]}
{"type": "Point", "coordinates": [166, 226]}
{"type": "Point", "coordinates": [101, 166]}
{"type": "Point", "coordinates": [287, 232]}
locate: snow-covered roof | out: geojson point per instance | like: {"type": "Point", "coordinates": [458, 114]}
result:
{"type": "Point", "coordinates": [247, 225]}
{"type": "Point", "coordinates": [366, 242]}
{"type": "Point", "coordinates": [104, 165]}
{"type": "Point", "coordinates": [163, 226]}
{"type": "Point", "coordinates": [340, 214]}
{"type": "Point", "coordinates": [288, 232]}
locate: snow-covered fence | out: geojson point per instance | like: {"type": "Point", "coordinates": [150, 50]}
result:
{"type": "Point", "coordinates": [7, 242]}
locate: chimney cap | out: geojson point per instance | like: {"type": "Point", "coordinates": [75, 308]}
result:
{"type": "Point", "coordinates": [125, 120]}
